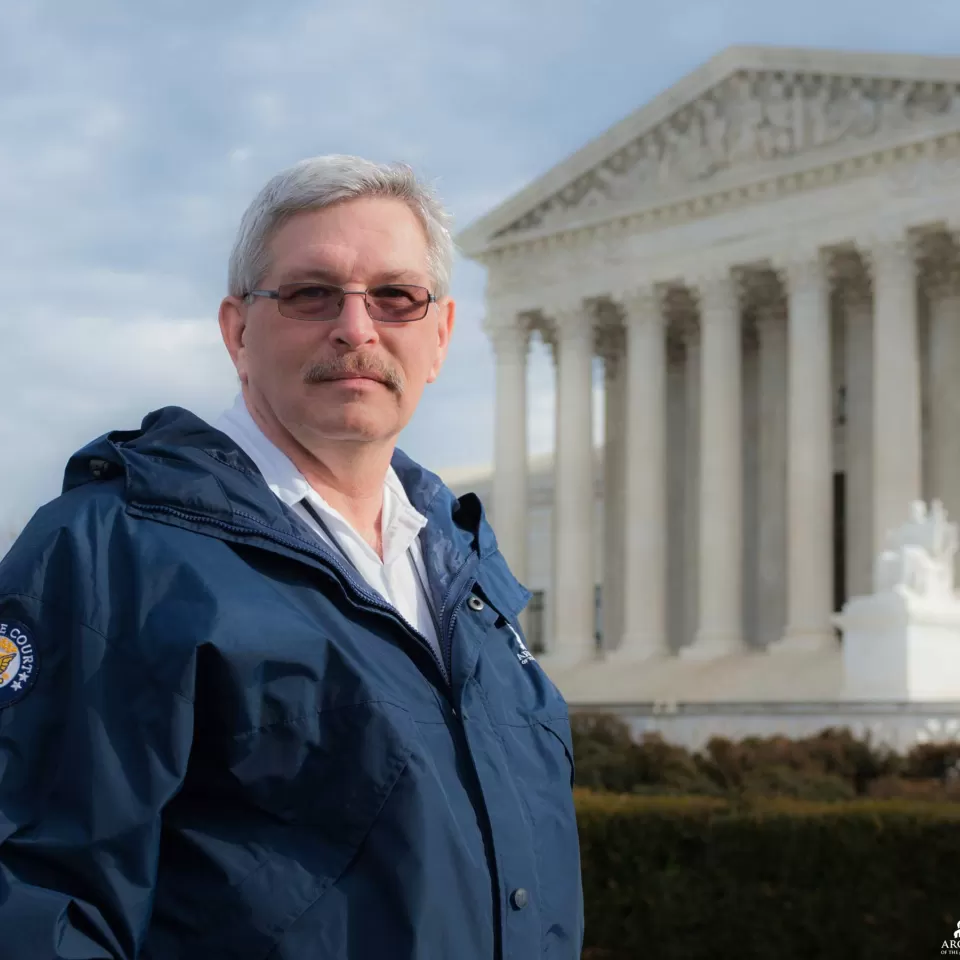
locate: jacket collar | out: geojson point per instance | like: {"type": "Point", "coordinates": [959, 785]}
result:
{"type": "Point", "coordinates": [178, 462]}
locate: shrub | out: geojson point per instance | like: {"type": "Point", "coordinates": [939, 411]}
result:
{"type": "Point", "coordinates": [940, 761]}
{"type": "Point", "coordinates": [832, 765]}
{"type": "Point", "coordinates": [827, 760]}
{"type": "Point", "coordinates": [609, 758]}
{"type": "Point", "coordinates": [603, 750]}
{"type": "Point", "coordinates": [658, 764]}
{"type": "Point", "coordinates": [838, 752]}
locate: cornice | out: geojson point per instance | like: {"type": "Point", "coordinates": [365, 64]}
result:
{"type": "Point", "coordinates": [738, 189]}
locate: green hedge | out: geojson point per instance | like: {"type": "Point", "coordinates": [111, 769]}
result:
{"type": "Point", "coordinates": [690, 878]}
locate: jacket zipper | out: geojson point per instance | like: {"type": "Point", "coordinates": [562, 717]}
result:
{"type": "Point", "coordinates": [463, 583]}
{"type": "Point", "coordinates": [331, 561]}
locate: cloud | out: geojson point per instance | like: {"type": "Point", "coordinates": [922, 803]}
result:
{"type": "Point", "coordinates": [90, 371]}
{"type": "Point", "coordinates": [134, 136]}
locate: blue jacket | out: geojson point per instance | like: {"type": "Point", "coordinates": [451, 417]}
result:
{"type": "Point", "coordinates": [217, 743]}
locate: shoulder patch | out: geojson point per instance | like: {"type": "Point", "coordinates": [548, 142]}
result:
{"type": "Point", "coordinates": [18, 662]}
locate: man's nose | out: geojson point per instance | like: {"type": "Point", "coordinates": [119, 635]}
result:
{"type": "Point", "coordinates": [354, 326]}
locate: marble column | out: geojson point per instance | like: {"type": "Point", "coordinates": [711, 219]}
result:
{"type": "Point", "coordinates": [645, 608]}
{"type": "Point", "coordinates": [510, 506]}
{"type": "Point", "coordinates": [720, 629]}
{"type": "Point", "coordinates": [678, 567]}
{"type": "Point", "coordinates": [858, 409]}
{"type": "Point", "coordinates": [691, 484]}
{"type": "Point", "coordinates": [897, 458]}
{"type": "Point", "coordinates": [614, 484]}
{"type": "Point", "coordinates": [550, 604]}
{"type": "Point", "coordinates": [944, 385]}
{"type": "Point", "coordinates": [574, 501]}
{"type": "Point", "coordinates": [809, 458]}
{"type": "Point", "coordinates": [751, 418]}
{"type": "Point", "coordinates": [772, 497]}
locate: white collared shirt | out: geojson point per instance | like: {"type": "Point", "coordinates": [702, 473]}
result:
{"type": "Point", "coordinates": [400, 577]}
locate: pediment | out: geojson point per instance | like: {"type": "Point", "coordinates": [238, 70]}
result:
{"type": "Point", "coordinates": [748, 110]}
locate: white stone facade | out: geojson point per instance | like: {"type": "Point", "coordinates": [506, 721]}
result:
{"type": "Point", "coordinates": [766, 258]}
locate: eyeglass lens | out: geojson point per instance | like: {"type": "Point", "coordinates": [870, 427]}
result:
{"type": "Point", "coordinates": [319, 301]}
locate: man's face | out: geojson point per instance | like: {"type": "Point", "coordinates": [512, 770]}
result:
{"type": "Point", "coordinates": [295, 368]}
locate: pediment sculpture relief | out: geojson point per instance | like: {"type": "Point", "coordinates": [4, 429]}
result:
{"type": "Point", "coordinates": [746, 120]}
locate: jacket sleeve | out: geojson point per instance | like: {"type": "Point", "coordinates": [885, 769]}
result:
{"type": "Point", "coordinates": [93, 745]}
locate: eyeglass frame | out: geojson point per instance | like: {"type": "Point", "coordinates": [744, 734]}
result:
{"type": "Point", "coordinates": [275, 296]}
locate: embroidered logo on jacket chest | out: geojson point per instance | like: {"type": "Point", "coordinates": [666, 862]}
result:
{"type": "Point", "coordinates": [523, 654]}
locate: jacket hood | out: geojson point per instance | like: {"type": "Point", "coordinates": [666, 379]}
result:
{"type": "Point", "coordinates": [176, 461]}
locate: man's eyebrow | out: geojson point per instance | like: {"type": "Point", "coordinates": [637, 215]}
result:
{"type": "Point", "coordinates": [299, 274]}
{"type": "Point", "coordinates": [400, 276]}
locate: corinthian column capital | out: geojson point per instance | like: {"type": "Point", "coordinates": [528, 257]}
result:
{"type": "Point", "coordinates": [641, 304]}
{"type": "Point", "coordinates": [574, 322]}
{"type": "Point", "coordinates": [940, 265]}
{"type": "Point", "coordinates": [805, 271]}
{"type": "Point", "coordinates": [510, 339]}
{"type": "Point", "coordinates": [718, 293]}
{"type": "Point", "coordinates": [852, 279]}
{"type": "Point", "coordinates": [771, 315]}
{"type": "Point", "coordinates": [884, 251]}
{"type": "Point", "coordinates": [610, 344]}
{"type": "Point", "coordinates": [943, 281]}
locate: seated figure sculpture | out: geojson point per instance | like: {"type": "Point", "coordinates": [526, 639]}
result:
{"type": "Point", "coordinates": [918, 558]}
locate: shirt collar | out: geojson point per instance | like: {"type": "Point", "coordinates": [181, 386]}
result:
{"type": "Point", "coordinates": [277, 469]}
{"type": "Point", "coordinates": [401, 522]}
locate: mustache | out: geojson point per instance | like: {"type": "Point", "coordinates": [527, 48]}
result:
{"type": "Point", "coordinates": [354, 365]}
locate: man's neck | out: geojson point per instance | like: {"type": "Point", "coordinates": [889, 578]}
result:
{"type": "Point", "coordinates": [349, 476]}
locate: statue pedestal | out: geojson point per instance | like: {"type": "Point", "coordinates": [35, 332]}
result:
{"type": "Point", "coordinates": [902, 642]}
{"type": "Point", "coordinates": [896, 647]}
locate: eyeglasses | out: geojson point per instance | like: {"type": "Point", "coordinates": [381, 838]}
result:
{"type": "Point", "coordinates": [388, 303]}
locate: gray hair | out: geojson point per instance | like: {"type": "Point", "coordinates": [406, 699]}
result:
{"type": "Point", "coordinates": [320, 182]}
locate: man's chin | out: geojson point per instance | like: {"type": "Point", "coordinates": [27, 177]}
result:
{"type": "Point", "coordinates": [352, 426]}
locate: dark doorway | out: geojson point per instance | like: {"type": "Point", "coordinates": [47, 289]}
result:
{"type": "Point", "coordinates": [535, 627]}
{"type": "Point", "coordinates": [839, 540]}
{"type": "Point", "coordinates": [598, 617]}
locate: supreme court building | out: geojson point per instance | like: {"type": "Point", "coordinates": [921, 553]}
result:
{"type": "Point", "coordinates": [766, 259]}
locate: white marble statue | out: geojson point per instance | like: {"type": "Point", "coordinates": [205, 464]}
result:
{"type": "Point", "coordinates": [918, 556]}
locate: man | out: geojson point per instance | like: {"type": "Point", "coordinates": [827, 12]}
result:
{"type": "Point", "coordinates": [263, 693]}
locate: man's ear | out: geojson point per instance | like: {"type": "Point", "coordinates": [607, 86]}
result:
{"type": "Point", "coordinates": [447, 309]}
{"type": "Point", "coordinates": [233, 324]}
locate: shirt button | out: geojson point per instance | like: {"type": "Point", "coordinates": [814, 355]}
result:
{"type": "Point", "coordinates": [475, 603]}
{"type": "Point", "coordinates": [519, 898]}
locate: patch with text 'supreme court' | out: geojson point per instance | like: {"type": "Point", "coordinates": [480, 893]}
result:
{"type": "Point", "coordinates": [18, 662]}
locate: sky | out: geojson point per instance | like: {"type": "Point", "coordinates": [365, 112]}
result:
{"type": "Point", "coordinates": [133, 136]}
